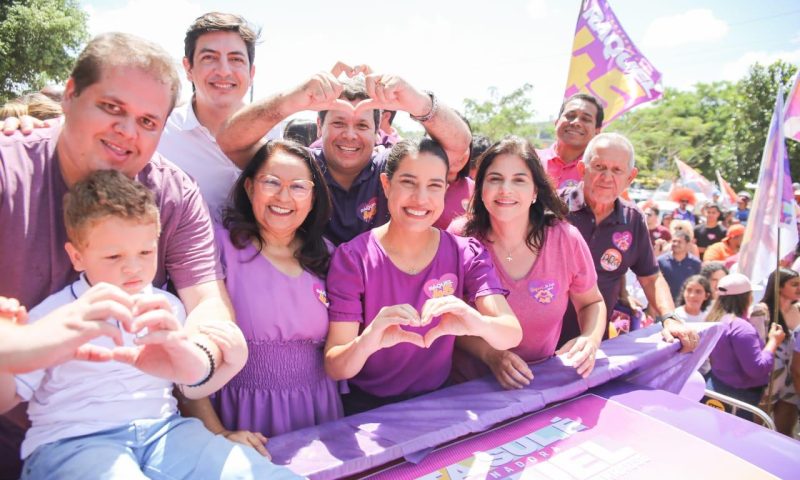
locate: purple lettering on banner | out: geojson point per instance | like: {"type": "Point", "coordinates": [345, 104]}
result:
{"type": "Point", "coordinates": [606, 63]}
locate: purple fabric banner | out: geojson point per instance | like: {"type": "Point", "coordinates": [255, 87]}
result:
{"type": "Point", "coordinates": [606, 63]}
{"type": "Point", "coordinates": [580, 439]}
{"type": "Point", "coordinates": [361, 442]}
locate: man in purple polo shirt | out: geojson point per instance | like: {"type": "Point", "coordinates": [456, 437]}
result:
{"type": "Point", "coordinates": [116, 102]}
{"type": "Point", "coordinates": [617, 234]}
{"type": "Point", "coordinates": [579, 120]}
{"type": "Point", "coordinates": [349, 116]}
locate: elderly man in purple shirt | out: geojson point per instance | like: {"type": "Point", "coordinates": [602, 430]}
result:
{"type": "Point", "coordinates": [617, 234]}
{"type": "Point", "coordinates": [349, 116]}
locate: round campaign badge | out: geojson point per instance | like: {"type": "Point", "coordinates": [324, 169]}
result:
{"type": "Point", "coordinates": [611, 260]}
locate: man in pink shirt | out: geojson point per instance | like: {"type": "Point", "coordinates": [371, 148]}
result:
{"type": "Point", "coordinates": [579, 120]}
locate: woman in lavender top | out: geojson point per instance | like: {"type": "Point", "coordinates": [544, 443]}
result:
{"type": "Point", "coordinates": [402, 292]}
{"type": "Point", "coordinates": [276, 263]}
{"type": "Point", "coordinates": [740, 362]}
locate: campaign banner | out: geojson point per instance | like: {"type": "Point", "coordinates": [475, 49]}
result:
{"type": "Point", "coordinates": [773, 211]}
{"type": "Point", "coordinates": [588, 437]}
{"type": "Point", "coordinates": [606, 63]}
{"type": "Point", "coordinates": [690, 176]}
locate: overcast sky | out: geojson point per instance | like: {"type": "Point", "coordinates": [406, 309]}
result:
{"type": "Point", "coordinates": [460, 48]}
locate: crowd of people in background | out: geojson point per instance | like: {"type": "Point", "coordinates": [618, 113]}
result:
{"type": "Point", "coordinates": [323, 268]}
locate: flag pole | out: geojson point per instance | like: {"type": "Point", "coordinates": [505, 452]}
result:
{"type": "Point", "coordinates": [776, 309]}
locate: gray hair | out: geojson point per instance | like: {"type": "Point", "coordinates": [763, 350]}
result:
{"type": "Point", "coordinates": [602, 139]}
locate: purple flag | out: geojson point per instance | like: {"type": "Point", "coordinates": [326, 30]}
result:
{"type": "Point", "coordinates": [791, 118]}
{"type": "Point", "coordinates": [606, 64]}
{"type": "Point", "coordinates": [773, 207]}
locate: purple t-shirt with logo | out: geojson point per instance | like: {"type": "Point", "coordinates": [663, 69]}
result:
{"type": "Point", "coordinates": [619, 243]}
{"type": "Point", "coordinates": [540, 298]}
{"type": "Point", "coordinates": [456, 201]}
{"type": "Point", "coordinates": [34, 263]}
{"type": "Point", "coordinates": [362, 280]}
{"type": "Point", "coordinates": [360, 208]}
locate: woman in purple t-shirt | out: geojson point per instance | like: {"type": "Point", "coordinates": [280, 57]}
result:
{"type": "Point", "coordinates": [541, 259]}
{"type": "Point", "coordinates": [275, 262]}
{"type": "Point", "coordinates": [741, 362]}
{"type": "Point", "coordinates": [399, 292]}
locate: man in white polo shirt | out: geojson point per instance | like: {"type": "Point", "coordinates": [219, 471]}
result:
{"type": "Point", "coordinates": [219, 50]}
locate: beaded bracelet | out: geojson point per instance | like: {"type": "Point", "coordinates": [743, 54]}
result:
{"type": "Point", "coordinates": [211, 368]}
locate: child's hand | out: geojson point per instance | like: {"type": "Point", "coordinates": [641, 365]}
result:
{"type": "Point", "coordinates": [12, 311]}
{"type": "Point", "coordinates": [230, 340]}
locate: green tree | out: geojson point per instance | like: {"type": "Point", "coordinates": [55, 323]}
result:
{"type": "Point", "coordinates": [752, 114]}
{"type": "Point", "coordinates": [685, 125]}
{"type": "Point", "coordinates": [502, 115]}
{"type": "Point", "coordinates": [38, 43]}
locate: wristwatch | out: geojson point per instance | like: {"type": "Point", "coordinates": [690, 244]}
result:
{"type": "Point", "coordinates": [670, 315]}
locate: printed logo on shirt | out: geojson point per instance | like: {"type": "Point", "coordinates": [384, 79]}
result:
{"type": "Point", "coordinates": [441, 287]}
{"type": "Point", "coordinates": [368, 209]}
{"type": "Point", "coordinates": [711, 236]}
{"type": "Point", "coordinates": [622, 240]}
{"type": "Point", "coordinates": [568, 183]}
{"type": "Point", "coordinates": [611, 260]}
{"type": "Point", "coordinates": [543, 291]}
{"type": "Point", "coordinates": [465, 204]}
{"type": "Point", "coordinates": [321, 294]}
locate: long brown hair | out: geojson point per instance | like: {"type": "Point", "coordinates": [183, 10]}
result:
{"type": "Point", "coordinates": [545, 212]}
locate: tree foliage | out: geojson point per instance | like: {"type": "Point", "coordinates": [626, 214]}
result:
{"type": "Point", "coordinates": [713, 126]}
{"type": "Point", "coordinates": [38, 43]}
{"type": "Point", "coordinates": [717, 126]}
{"type": "Point", "coordinates": [502, 115]}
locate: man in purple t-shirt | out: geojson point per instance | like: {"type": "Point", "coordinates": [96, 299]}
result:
{"type": "Point", "coordinates": [579, 120]}
{"type": "Point", "coordinates": [349, 116]}
{"type": "Point", "coordinates": [116, 102]}
{"type": "Point", "coordinates": [616, 233]}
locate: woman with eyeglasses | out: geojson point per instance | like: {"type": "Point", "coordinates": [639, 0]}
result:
{"type": "Point", "coordinates": [276, 262]}
{"type": "Point", "coordinates": [402, 292]}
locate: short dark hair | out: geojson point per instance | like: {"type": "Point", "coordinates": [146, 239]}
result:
{"type": "Point", "coordinates": [109, 50]}
{"type": "Point", "coordinates": [598, 120]}
{"type": "Point", "coordinates": [355, 89]}
{"type": "Point", "coordinates": [480, 144]}
{"type": "Point", "coordinates": [240, 221]}
{"type": "Point", "coordinates": [302, 131]}
{"type": "Point", "coordinates": [545, 212]}
{"type": "Point", "coordinates": [404, 148]}
{"type": "Point", "coordinates": [683, 236]}
{"type": "Point", "coordinates": [220, 22]}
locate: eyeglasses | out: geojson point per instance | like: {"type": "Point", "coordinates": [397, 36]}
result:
{"type": "Point", "coordinates": [298, 189]}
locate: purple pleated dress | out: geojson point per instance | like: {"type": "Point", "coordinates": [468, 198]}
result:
{"type": "Point", "coordinates": [283, 387]}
